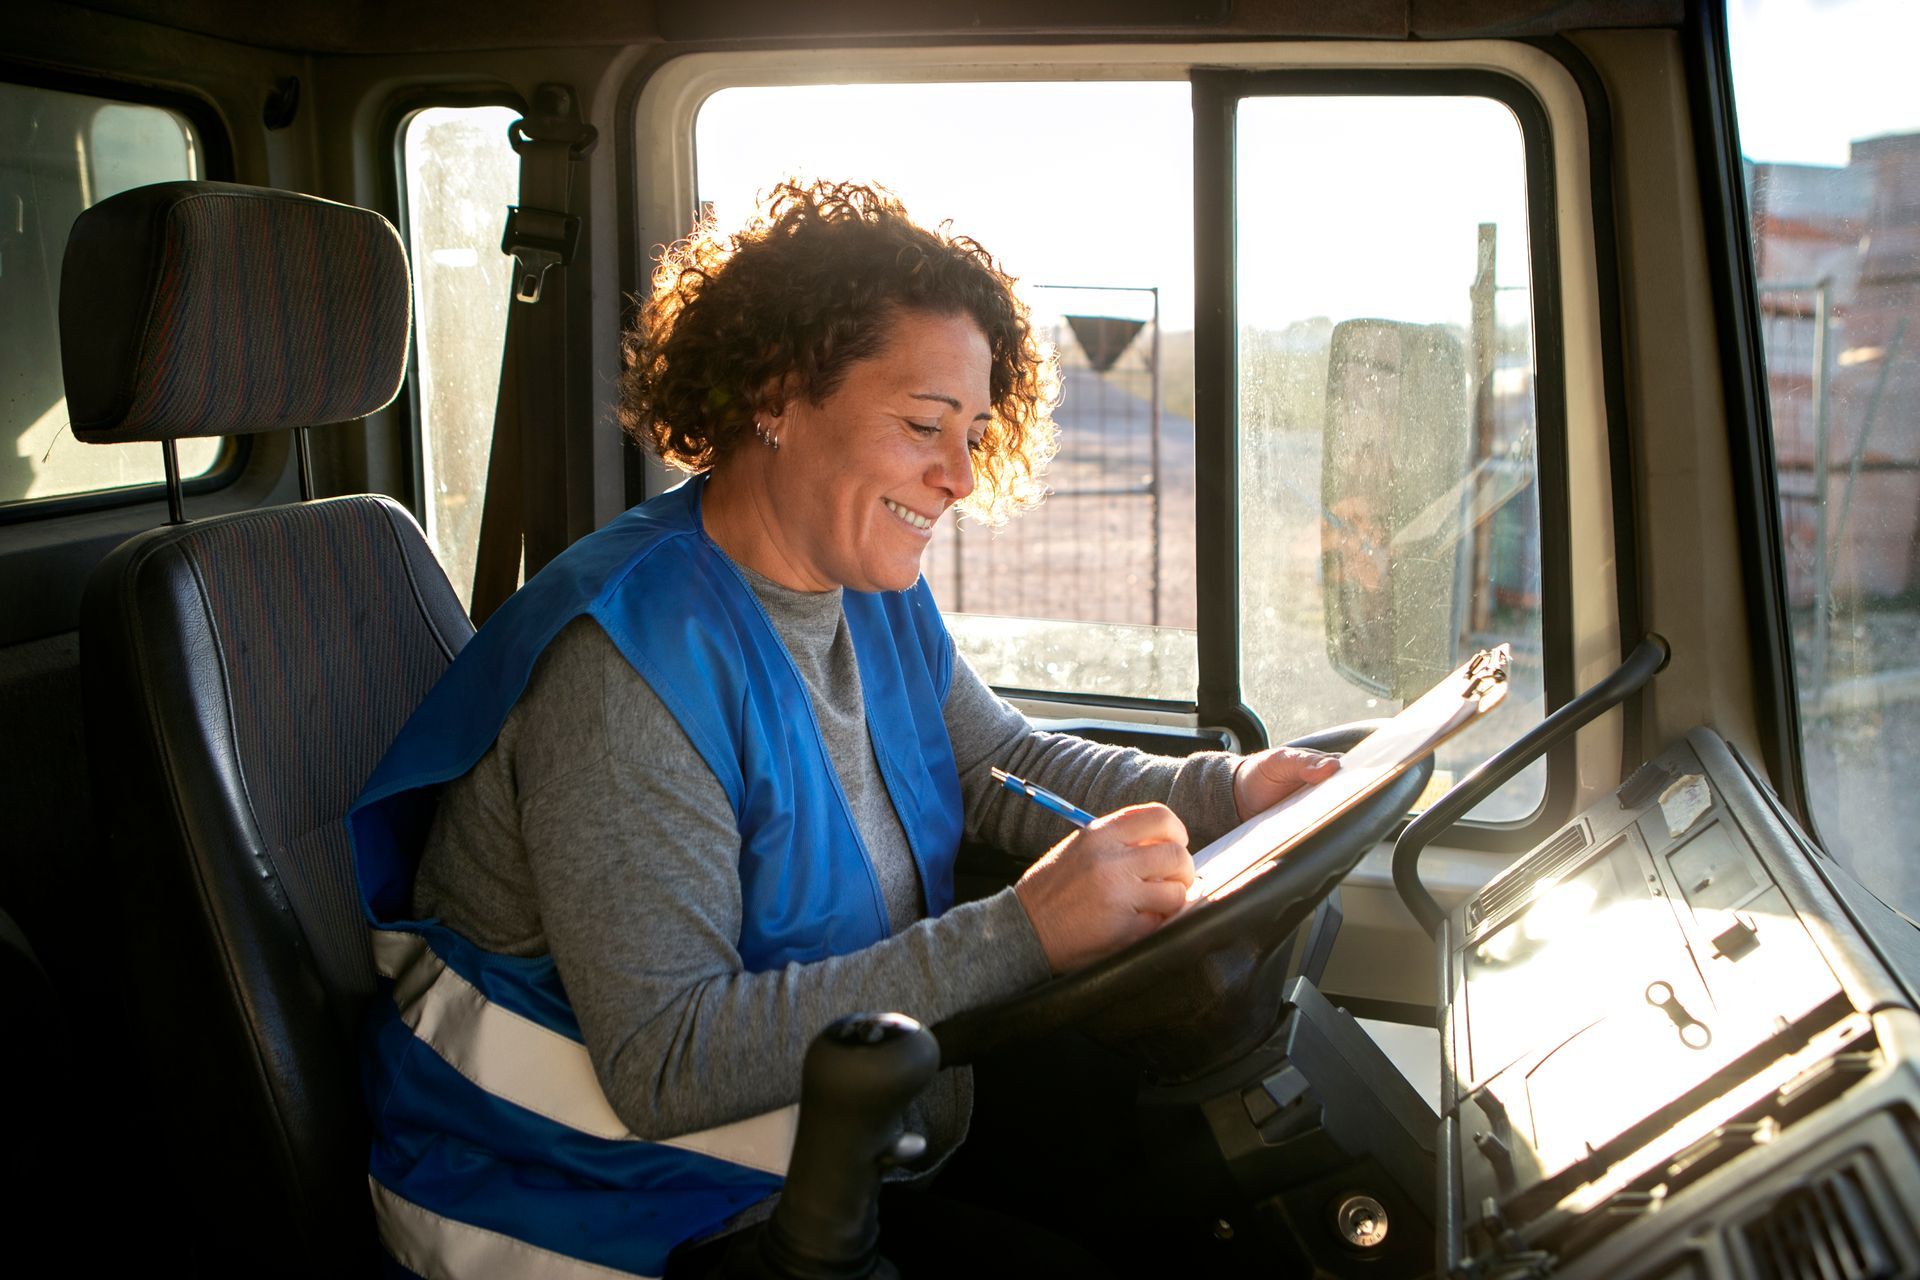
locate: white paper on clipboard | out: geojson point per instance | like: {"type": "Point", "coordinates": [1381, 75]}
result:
{"type": "Point", "coordinates": [1470, 692]}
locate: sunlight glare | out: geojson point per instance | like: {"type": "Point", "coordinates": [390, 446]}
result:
{"type": "Point", "coordinates": [1849, 63]}
{"type": "Point", "coordinates": [1087, 183]}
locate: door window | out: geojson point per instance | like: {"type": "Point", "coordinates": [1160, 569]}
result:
{"type": "Point", "coordinates": [1386, 424]}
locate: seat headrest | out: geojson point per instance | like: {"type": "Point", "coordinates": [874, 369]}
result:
{"type": "Point", "coordinates": [206, 309]}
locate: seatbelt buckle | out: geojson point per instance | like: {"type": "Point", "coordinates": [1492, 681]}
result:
{"type": "Point", "coordinates": [538, 239]}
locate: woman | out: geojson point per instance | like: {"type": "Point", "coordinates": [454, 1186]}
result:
{"type": "Point", "coordinates": [697, 789]}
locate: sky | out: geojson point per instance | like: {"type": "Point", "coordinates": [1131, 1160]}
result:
{"type": "Point", "coordinates": [1082, 184]}
{"type": "Point", "coordinates": [1810, 76]}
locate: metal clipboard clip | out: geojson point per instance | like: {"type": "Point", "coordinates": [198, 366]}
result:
{"type": "Point", "coordinates": [1487, 669]}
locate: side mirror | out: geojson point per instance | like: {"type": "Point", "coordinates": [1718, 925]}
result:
{"type": "Point", "coordinates": [1395, 492]}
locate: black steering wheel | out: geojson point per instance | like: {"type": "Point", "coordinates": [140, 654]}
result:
{"type": "Point", "coordinates": [1205, 987]}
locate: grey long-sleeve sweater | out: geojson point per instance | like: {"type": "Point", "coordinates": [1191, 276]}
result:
{"type": "Point", "coordinates": [592, 829]}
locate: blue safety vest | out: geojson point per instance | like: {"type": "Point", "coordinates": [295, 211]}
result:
{"type": "Point", "coordinates": [495, 1151]}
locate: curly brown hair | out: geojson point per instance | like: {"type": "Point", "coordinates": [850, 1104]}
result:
{"type": "Point", "coordinates": [785, 305]}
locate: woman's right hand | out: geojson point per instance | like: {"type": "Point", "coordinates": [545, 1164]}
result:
{"type": "Point", "coordinates": [1111, 884]}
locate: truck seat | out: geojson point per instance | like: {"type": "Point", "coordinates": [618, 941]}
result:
{"type": "Point", "coordinates": [243, 674]}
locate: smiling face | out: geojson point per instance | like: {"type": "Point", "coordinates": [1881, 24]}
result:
{"type": "Point", "coordinates": [851, 496]}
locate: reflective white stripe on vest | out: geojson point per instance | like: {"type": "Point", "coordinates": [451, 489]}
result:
{"type": "Point", "coordinates": [518, 1060]}
{"type": "Point", "coordinates": [441, 1249]}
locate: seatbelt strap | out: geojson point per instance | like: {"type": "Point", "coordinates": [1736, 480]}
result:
{"type": "Point", "coordinates": [539, 473]}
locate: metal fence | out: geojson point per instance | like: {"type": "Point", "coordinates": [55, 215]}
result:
{"type": "Point", "coordinates": [1113, 542]}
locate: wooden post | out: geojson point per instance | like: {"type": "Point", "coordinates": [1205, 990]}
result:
{"type": "Point", "coordinates": [1484, 336]}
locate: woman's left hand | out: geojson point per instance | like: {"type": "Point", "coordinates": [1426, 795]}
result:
{"type": "Point", "coordinates": [1263, 780]}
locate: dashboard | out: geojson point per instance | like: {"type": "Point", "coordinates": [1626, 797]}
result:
{"type": "Point", "coordinates": [1677, 1041]}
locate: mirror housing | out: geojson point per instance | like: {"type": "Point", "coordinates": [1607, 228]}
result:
{"type": "Point", "coordinates": [1392, 505]}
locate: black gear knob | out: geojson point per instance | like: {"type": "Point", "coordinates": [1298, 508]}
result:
{"type": "Point", "coordinates": [860, 1074]}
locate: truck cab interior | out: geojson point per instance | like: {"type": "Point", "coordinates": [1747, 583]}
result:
{"type": "Point", "coordinates": [1390, 334]}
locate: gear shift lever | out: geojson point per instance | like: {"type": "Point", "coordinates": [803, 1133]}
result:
{"type": "Point", "coordinates": [860, 1073]}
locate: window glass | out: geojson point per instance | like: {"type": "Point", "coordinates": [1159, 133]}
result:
{"type": "Point", "coordinates": [461, 174]}
{"type": "Point", "coordinates": [1389, 525]}
{"type": "Point", "coordinates": [61, 153]}
{"type": "Point", "coordinates": [1091, 593]}
{"type": "Point", "coordinates": [1830, 128]}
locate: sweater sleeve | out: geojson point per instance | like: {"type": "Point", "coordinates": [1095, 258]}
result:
{"type": "Point", "coordinates": [633, 851]}
{"type": "Point", "coordinates": [986, 732]}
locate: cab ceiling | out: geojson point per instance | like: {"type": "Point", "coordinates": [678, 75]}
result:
{"type": "Point", "coordinates": [381, 26]}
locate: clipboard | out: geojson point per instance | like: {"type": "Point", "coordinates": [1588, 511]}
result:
{"type": "Point", "coordinates": [1476, 688]}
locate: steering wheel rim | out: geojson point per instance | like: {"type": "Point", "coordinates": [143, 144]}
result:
{"type": "Point", "coordinates": [1276, 902]}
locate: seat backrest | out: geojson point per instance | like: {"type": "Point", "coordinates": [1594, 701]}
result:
{"type": "Point", "coordinates": [243, 675]}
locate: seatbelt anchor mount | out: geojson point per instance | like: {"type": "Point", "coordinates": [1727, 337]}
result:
{"type": "Point", "coordinates": [537, 239]}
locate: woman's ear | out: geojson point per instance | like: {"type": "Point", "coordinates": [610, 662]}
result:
{"type": "Point", "coordinates": [775, 401]}
{"type": "Point", "coordinates": [777, 406]}
{"type": "Point", "coordinates": [768, 405]}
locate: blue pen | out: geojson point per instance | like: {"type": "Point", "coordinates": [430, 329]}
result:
{"type": "Point", "coordinates": [1044, 798]}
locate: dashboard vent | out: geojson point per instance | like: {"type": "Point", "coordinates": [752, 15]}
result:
{"type": "Point", "coordinates": [1826, 1231]}
{"type": "Point", "coordinates": [1544, 867]}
